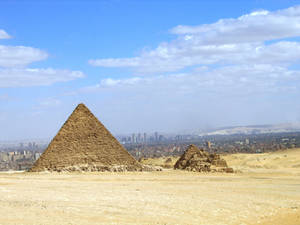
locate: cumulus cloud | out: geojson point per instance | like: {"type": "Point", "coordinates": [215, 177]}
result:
{"type": "Point", "coordinates": [180, 58]}
{"type": "Point", "coordinates": [228, 41]}
{"type": "Point", "coordinates": [4, 35]}
{"type": "Point", "coordinates": [19, 56]}
{"type": "Point", "coordinates": [25, 77]}
{"type": "Point", "coordinates": [243, 79]}
{"type": "Point", "coordinates": [254, 27]}
{"type": "Point", "coordinates": [14, 71]}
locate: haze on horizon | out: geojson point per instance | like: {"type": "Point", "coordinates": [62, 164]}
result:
{"type": "Point", "coordinates": [167, 66]}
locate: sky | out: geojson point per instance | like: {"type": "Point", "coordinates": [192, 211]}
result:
{"type": "Point", "coordinates": [146, 66]}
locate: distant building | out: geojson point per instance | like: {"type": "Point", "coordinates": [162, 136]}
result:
{"type": "Point", "coordinates": [139, 138]}
{"type": "Point", "coordinates": [133, 139]}
{"type": "Point", "coordinates": [152, 139]}
{"type": "Point", "coordinates": [161, 138]}
{"type": "Point", "coordinates": [123, 140]}
{"type": "Point", "coordinates": [247, 142]}
{"type": "Point", "coordinates": [178, 138]}
{"type": "Point", "coordinates": [145, 137]}
{"type": "Point", "coordinates": [156, 136]}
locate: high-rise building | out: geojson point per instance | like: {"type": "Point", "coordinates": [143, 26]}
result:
{"type": "Point", "coordinates": [139, 138]}
{"type": "Point", "coordinates": [178, 138]}
{"type": "Point", "coordinates": [161, 138]}
{"type": "Point", "coordinates": [133, 139]}
{"type": "Point", "coordinates": [123, 140]}
{"type": "Point", "coordinates": [151, 139]}
{"type": "Point", "coordinates": [145, 137]}
{"type": "Point", "coordinates": [156, 137]}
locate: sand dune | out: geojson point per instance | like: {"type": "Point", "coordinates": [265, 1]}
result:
{"type": "Point", "coordinates": [287, 161]}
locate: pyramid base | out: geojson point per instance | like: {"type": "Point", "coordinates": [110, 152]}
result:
{"type": "Point", "coordinates": [100, 168]}
{"type": "Point", "coordinates": [210, 169]}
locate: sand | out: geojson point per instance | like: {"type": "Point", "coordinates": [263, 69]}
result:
{"type": "Point", "coordinates": [283, 162]}
{"type": "Point", "coordinates": [255, 196]}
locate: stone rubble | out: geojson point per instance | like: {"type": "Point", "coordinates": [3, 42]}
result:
{"type": "Point", "coordinates": [197, 160]}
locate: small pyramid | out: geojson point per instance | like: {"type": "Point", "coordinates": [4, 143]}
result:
{"type": "Point", "coordinates": [84, 144]}
{"type": "Point", "coordinates": [186, 156]}
{"type": "Point", "coordinates": [195, 159]}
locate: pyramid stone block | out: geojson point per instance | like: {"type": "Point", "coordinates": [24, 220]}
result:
{"type": "Point", "coordinates": [195, 159]}
{"type": "Point", "coordinates": [83, 143]}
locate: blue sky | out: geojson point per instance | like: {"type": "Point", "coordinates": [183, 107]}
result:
{"type": "Point", "coordinates": [167, 66]}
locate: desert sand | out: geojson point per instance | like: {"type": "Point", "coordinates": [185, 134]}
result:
{"type": "Point", "coordinates": [265, 190]}
{"type": "Point", "coordinates": [282, 162]}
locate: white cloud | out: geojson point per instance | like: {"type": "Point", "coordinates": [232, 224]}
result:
{"type": "Point", "coordinates": [204, 97]}
{"type": "Point", "coordinates": [110, 83]}
{"type": "Point", "coordinates": [125, 62]}
{"type": "Point", "coordinates": [16, 56]}
{"type": "Point", "coordinates": [115, 82]}
{"type": "Point", "coordinates": [173, 58]}
{"type": "Point", "coordinates": [15, 73]}
{"type": "Point", "coordinates": [4, 35]}
{"type": "Point", "coordinates": [254, 27]}
{"type": "Point", "coordinates": [228, 41]}
{"type": "Point", "coordinates": [244, 79]}
{"type": "Point", "coordinates": [18, 77]}
{"type": "Point", "coordinates": [283, 52]}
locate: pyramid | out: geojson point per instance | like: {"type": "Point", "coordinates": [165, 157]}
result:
{"type": "Point", "coordinates": [195, 159]}
{"type": "Point", "coordinates": [84, 144]}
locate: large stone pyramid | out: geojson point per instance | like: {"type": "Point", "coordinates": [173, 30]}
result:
{"type": "Point", "coordinates": [84, 144]}
{"type": "Point", "coordinates": [195, 159]}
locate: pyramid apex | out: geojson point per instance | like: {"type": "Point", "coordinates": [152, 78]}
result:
{"type": "Point", "coordinates": [81, 104]}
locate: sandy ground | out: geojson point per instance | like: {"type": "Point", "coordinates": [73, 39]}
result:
{"type": "Point", "coordinates": [255, 196]}
{"type": "Point", "coordinates": [284, 162]}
